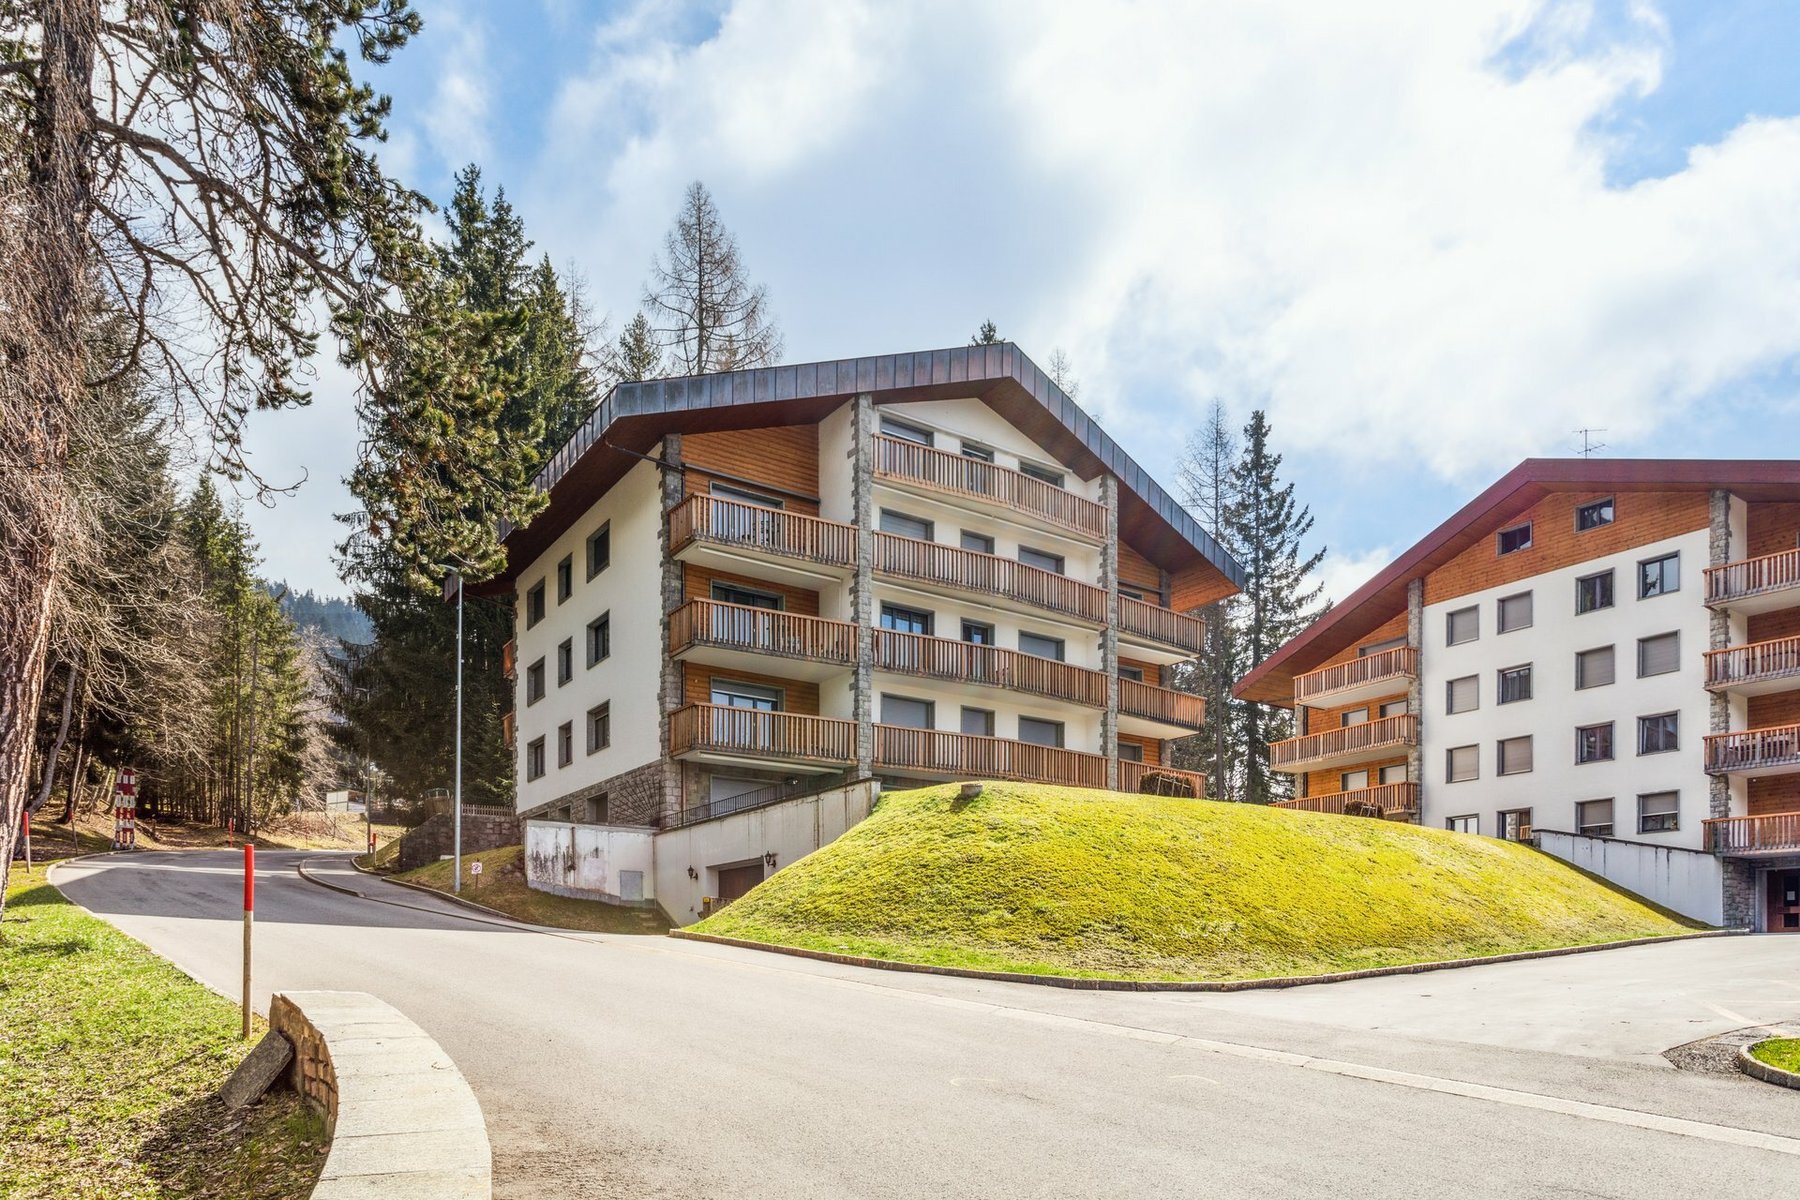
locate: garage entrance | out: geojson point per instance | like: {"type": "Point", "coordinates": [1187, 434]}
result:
{"type": "Point", "coordinates": [1784, 902]}
{"type": "Point", "coordinates": [736, 881]}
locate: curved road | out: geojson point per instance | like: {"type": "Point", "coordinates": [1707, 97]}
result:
{"type": "Point", "coordinates": [647, 1067]}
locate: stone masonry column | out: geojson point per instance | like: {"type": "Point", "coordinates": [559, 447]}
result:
{"type": "Point", "coordinates": [862, 590]}
{"type": "Point", "coordinates": [670, 694]}
{"type": "Point", "coordinates": [1109, 637]}
{"type": "Point", "coordinates": [1302, 781]}
{"type": "Point", "coordinates": [1718, 552]}
{"type": "Point", "coordinates": [1415, 688]}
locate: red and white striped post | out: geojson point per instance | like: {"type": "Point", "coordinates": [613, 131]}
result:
{"type": "Point", "coordinates": [249, 917]}
{"type": "Point", "coordinates": [125, 810]}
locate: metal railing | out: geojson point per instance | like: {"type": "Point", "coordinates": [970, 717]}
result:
{"type": "Point", "coordinates": [753, 527]}
{"type": "Point", "coordinates": [940, 470]}
{"type": "Point", "coordinates": [1388, 797]}
{"type": "Point", "coordinates": [775, 793]}
{"type": "Point", "coordinates": [1755, 662]}
{"type": "Point", "coordinates": [1753, 749]}
{"type": "Point", "coordinates": [1752, 576]}
{"type": "Point", "coordinates": [1395, 731]}
{"type": "Point", "coordinates": [1159, 624]}
{"type": "Point", "coordinates": [1750, 835]}
{"type": "Point", "coordinates": [761, 734]}
{"type": "Point", "coordinates": [1401, 662]}
{"type": "Point", "coordinates": [761, 631]}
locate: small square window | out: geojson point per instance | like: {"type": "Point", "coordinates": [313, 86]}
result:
{"type": "Point", "coordinates": [1515, 823]}
{"type": "Point", "coordinates": [1515, 539]}
{"type": "Point", "coordinates": [905, 526]}
{"type": "Point", "coordinates": [978, 722]}
{"type": "Point", "coordinates": [1659, 576]}
{"type": "Point", "coordinates": [534, 604]}
{"type": "Point", "coordinates": [1462, 625]}
{"type": "Point", "coordinates": [1352, 781]}
{"type": "Point", "coordinates": [599, 638]}
{"type": "Point", "coordinates": [1594, 818]}
{"type": "Point", "coordinates": [1512, 756]}
{"type": "Point", "coordinates": [1131, 751]}
{"type": "Point", "coordinates": [1462, 695]}
{"type": "Point", "coordinates": [981, 543]}
{"type": "Point", "coordinates": [1659, 655]}
{"type": "Point", "coordinates": [1462, 763]}
{"type": "Point", "coordinates": [599, 728]}
{"type": "Point", "coordinates": [1041, 559]}
{"type": "Point", "coordinates": [978, 633]}
{"type": "Point", "coordinates": [534, 758]}
{"type": "Point", "coordinates": [1594, 743]}
{"type": "Point", "coordinates": [907, 712]}
{"type": "Point", "coordinates": [1593, 515]}
{"type": "Point", "coordinates": [1392, 708]}
{"type": "Point", "coordinates": [1356, 716]}
{"type": "Point", "coordinates": [565, 578]}
{"type": "Point", "coordinates": [1594, 592]}
{"type": "Point", "coordinates": [599, 550]}
{"type": "Point", "coordinates": [565, 743]}
{"type": "Point", "coordinates": [534, 682]}
{"type": "Point", "coordinates": [1659, 812]}
{"type": "Point", "coordinates": [1515, 612]}
{"type": "Point", "coordinates": [1396, 773]}
{"type": "Point", "coordinates": [565, 661]}
{"type": "Point", "coordinates": [1659, 734]}
{"type": "Point", "coordinates": [1514, 684]}
{"type": "Point", "coordinates": [1594, 668]}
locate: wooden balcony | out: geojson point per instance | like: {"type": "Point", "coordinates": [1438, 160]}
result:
{"type": "Point", "coordinates": [1397, 801]}
{"type": "Point", "coordinates": [1774, 833]}
{"type": "Point", "coordinates": [1756, 668]}
{"type": "Point", "coordinates": [509, 658]}
{"type": "Point", "coordinates": [1142, 621]}
{"type": "Point", "coordinates": [1352, 744]}
{"type": "Point", "coordinates": [957, 475]}
{"type": "Point", "coordinates": [739, 627]}
{"type": "Point", "coordinates": [769, 531]}
{"type": "Point", "coordinates": [1750, 753]}
{"type": "Point", "coordinates": [972, 571]}
{"type": "Point", "coordinates": [1137, 699]}
{"type": "Point", "coordinates": [967, 756]}
{"type": "Point", "coordinates": [1754, 585]}
{"type": "Point", "coordinates": [1131, 776]}
{"type": "Point", "coordinates": [508, 728]}
{"type": "Point", "coordinates": [754, 733]}
{"type": "Point", "coordinates": [1363, 678]}
{"type": "Point", "coordinates": [987, 666]}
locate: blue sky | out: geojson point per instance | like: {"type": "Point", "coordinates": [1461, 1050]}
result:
{"type": "Point", "coordinates": [1430, 239]}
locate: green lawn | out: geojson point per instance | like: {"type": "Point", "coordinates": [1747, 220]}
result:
{"type": "Point", "coordinates": [1779, 1052]}
{"type": "Point", "coordinates": [110, 1060]}
{"type": "Point", "coordinates": [502, 886]}
{"type": "Point", "coordinates": [1063, 881]}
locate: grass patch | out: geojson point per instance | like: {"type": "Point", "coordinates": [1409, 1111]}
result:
{"type": "Point", "coordinates": [1781, 1053]}
{"type": "Point", "coordinates": [1065, 881]}
{"type": "Point", "coordinates": [110, 1061]}
{"type": "Point", "coordinates": [503, 887]}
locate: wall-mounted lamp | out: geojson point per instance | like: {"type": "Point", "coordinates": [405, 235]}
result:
{"type": "Point", "coordinates": [769, 860]}
{"type": "Point", "coordinates": [693, 874]}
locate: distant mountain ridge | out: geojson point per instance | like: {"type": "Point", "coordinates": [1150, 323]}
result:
{"type": "Point", "coordinates": [336, 617]}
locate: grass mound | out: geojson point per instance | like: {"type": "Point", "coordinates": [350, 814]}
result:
{"type": "Point", "coordinates": [1783, 1053]}
{"type": "Point", "coordinates": [502, 886]}
{"type": "Point", "coordinates": [1063, 881]}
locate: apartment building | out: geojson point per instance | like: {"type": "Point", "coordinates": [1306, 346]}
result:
{"type": "Point", "coordinates": [752, 586]}
{"type": "Point", "coordinates": [1602, 656]}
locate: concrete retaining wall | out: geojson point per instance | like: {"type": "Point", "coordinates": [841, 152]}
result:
{"type": "Point", "coordinates": [404, 1124]}
{"type": "Point", "coordinates": [483, 829]}
{"type": "Point", "coordinates": [613, 863]}
{"type": "Point", "coordinates": [1690, 882]}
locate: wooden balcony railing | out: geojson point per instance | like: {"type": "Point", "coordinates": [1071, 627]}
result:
{"type": "Point", "coordinates": [509, 658]}
{"type": "Point", "coordinates": [1400, 730]}
{"type": "Point", "coordinates": [761, 631]}
{"type": "Point", "coordinates": [1402, 662]}
{"type": "Point", "coordinates": [934, 562]}
{"type": "Point", "coordinates": [1752, 576]}
{"type": "Point", "coordinates": [965, 662]}
{"type": "Point", "coordinates": [1131, 776]}
{"type": "Point", "coordinates": [1756, 662]}
{"type": "Point", "coordinates": [962, 754]}
{"type": "Point", "coordinates": [757, 733]}
{"type": "Point", "coordinates": [1751, 835]}
{"type": "Point", "coordinates": [508, 727]}
{"type": "Point", "coordinates": [1160, 624]}
{"type": "Point", "coordinates": [1753, 749]}
{"type": "Point", "coordinates": [942, 471]}
{"type": "Point", "coordinates": [753, 527]}
{"type": "Point", "coordinates": [1161, 704]}
{"type": "Point", "coordinates": [1389, 797]}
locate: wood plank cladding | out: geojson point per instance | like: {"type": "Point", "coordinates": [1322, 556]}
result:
{"type": "Point", "coordinates": [798, 695]}
{"type": "Point", "coordinates": [1640, 518]}
{"type": "Point", "coordinates": [1139, 572]}
{"type": "Point", "coordinates": [1770, 528]}
{"type": "Point", "coordinates": [1152, 672]}
{"type": "Point", "coordinates": [1773, 793]}
{"type": "Point", "coordinates": [697, 581]}
{"type": "Point", "coordinates": [784, 457]}
{"type": "Point", "coordinates": [1394, 627]}
{"type": "Point", "coordinates": [1197, 585]}
{"type": "Point", "coordinates": [1152, 748]}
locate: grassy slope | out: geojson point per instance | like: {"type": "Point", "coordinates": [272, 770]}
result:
{"type": "Point", "coordinates": [1779, 1052]}
{"type": "Point", "coordinates": [1071, 882]}
{"type": "Point", "coordinates": [110, 1059]}
{"type": "Point", "coordinates": [503, 887]}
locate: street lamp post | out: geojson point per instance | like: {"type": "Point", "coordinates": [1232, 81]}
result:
{"type": "Point", "coordinates": [456, 800]}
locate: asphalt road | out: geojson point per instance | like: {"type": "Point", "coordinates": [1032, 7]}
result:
{"type": "Point", "coordinates": [646, 1067]}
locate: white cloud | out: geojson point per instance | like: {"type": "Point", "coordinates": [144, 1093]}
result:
{"type": "Point", "coordinates": [456, 117]}
{"type": "Point", "coordinates": [1342, 574]}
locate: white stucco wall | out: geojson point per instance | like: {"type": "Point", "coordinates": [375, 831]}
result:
{"type": "Point", "coordinates": [975, 421]}
{"type": "Point", "coordinates": [1689, 882]}
{"type": "Point", "coordinates": [1556, 782]}
{"type": "Point", "coordinates": [615, 863]}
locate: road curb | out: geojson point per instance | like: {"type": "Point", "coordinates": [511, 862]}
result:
{"type": "Point", "coordinates": [428, 891]}
{"type": "Point", "coordinates": [1154, 985]}
{"type": "Point", "coordinates": [1757, 1069]}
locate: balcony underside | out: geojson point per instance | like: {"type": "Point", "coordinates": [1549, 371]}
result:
{"type": "Point", "coordinates": [1759, 768]}
{"type": "Point", "coordinates": [798, 665]}
{"type": "Point", "coordinates": [1768, 600]}
{"type": "Point", "coordinates": [734, 558]}
{"type": "Point", "coordinates": [1759, 685]}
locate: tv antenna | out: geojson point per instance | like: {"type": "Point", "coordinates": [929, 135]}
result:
{"type": "Point", "coordinates": [1588, 444]}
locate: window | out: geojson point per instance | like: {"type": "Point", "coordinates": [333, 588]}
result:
{"type": "Point", "coordinates": [1039, 646]}
{"type": "Point", "coordinates": [1042, 560]}
{"type": "Point", "coordinates": [1659, 812]}
{"type": "Point", "coordinates": [565, 661]}
{"type": "Point", "coordinates": [729, 693]}
{"type": "Point", "coordinates": [1380, 647]}
{"type": "Point", "coordinates": [534, 682]}
{"type": "Point", "coordinates": [599, 550]}
{"type": "Point", "coordinates": [1463, 625]}
{"type": "Point", "coordinates": [1659, 734]}
{"type": "Point", "coordinates": [1131, 593]}
{"type": "Point", "coordinates": [1131, 752]}
{"type": "Point", "coordinates": [1659, 576]}
{"type": "Point", "coordinates": [1462, 695]}
{"type": "Point", "coordinates": [905, 526]}
{"type": "Point", "coordinates": [1356, 716]}
{"type": "Point", "coordinates": [1396, 773]}
{"type": "Point", "coordinates": [1132, 673]}
{"type": "Point", "coordinates": [1594, 743]}
{"type": "Point", "coordinates": [1042, 474]}
{"type": "Point", "coordinates": [534, 604]}
{"type": "Point", "coordinates": [977, 451]}
{"type": "Point", "coordinates": [1594, 818]}
{"type": "Point", "coordinates": [565, 578]}
{"type": "Point", "coordinates": [565, 743]}
{"type": "Point", "coordinates": [978, 633]}
{"type": "Point", "coordinates": [1464, 824]}
{"type": "Point", "coordinates": [1512, 756]}
{"type": "Point", "coordinates": [1353, 781]}
{"type": "Point", "coordinates": [908, 712]}
{"type": "Point", "coordinates": [978, 722]}
{"type": "Point", "coordinates": [981, 543]}
{"type": "Point", "coordinates": [903, 429]}
{"type": "Point", "coordinates": [599, 728]}
{"type": "Point", "coordinates": [905, 620]}
{"type": "Point", "coordinates": [1514, 685]}
{"type": "Point", "coordinates": [1516, 538]}
{"type": "Point", "coordinates": [1462, 763]}
{"type": "Point", "coordinates": [1040, 732]}
{"type": "Point", "coordinates": [596, 809]}
{"type": "Point", "coordinates": [1594, 592]}
{"type": "Point", "coordinates": [1594, 668]}
{"type": "Point", "coordinates": [1593, 516]}
{"type": "Point", "coordinates": [731, 593]}
{"type": "Point", "coordinates": [1515, 823]}
{"type": "Point", "coordinates": [534, 758]}
{"type": "Point", "coordinates": [1392, 708]}
{"type": "Point", "coordinates": [1659, 655]}
{"type": "Point", "coordinates": [1515, 612]}
{"type": "Point", "coordinates": [724, 491]}
{"type": "Point", "coordinates": [599, 638]}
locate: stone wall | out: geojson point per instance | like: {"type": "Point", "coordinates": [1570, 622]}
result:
{"type": "Point", "coordinates": [482, 829]}
{"type": "Point", "coordinates": [310, 1073]}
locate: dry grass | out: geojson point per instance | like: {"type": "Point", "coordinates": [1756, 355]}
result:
{"type": "Point", "coordinates": [502, 886]}
{"type": "Point", "coordinates": [296, 831]}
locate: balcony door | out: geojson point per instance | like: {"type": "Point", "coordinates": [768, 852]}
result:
{"type": "Point", "coordinates": [1784, 901]}
{"type": "Point", "coordinates": [744, 714]}
{"type": "Point", "coordinates": [735, 626]}
{"type": "Point", "coordinates": [745, 525]}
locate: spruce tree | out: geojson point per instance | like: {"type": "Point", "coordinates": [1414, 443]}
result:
{"type": "Point", "coordinates": [987, 335]}
{"type": "Point", "coordinates": [636, 356]}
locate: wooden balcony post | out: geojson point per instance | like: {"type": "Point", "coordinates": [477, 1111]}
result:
{"type": "Point", "coordinates": [1109, 637]}
{"type": "Point", "coordinates": [862, 590]}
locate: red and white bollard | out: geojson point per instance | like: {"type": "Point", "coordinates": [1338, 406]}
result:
{"type": "Point", "coordinates": [125, 810]}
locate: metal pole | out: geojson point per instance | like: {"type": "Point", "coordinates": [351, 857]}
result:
{"type": "Point", "coordinates": [249, 914]}
{"type": "Point", "coordinates": [456, 820]}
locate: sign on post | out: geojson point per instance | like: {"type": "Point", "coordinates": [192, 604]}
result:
{"type": "Point", "coordinates": [475, 871]}
{"type": "Point", "coordinates": [125, 810]}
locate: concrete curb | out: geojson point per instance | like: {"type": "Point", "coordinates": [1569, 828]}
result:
{"type": "Point", "coordinates": [1154, 985]}
{"type": "Point", "coordinates": [429, 891]}
{"type": "Point", "coordinates": [404, 1123]}
{"type": "Point", "coordinates": [1757, 1069]}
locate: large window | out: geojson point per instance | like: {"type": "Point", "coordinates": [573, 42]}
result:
{"type": "Point", "coordinates": [1594, 514]}
{"type": "Point", "coordinates": [1462, 763]}
{"type": "Point", "coordinates": [1039, 646]}
{"type": "Point", "coordinates": [1040, 732]}
{"type": "Point", "coordinates": [1463, 625]}
{"type": "Point", "coordinates": [1659, 655]}
{"type": "Point", "coordinates": [1594, 818]}
{"type": "Point", "coordinates": [978, 633]}
{"type": "Point", "coordinates": [1043, 474]}
{"type": "Point", "coordinates": [724, 491]}
{"type": "Point", "coordinates": [565, 578]}
{"type": "Point", "coordinates": [565, 743]}
{"type": "Point", "coordinates": [1512, 756]}
{"type": "Point", "coordinates": [905, 525]}
{"type": "Point", "coordinates": [1514, 684]}
{"type": "Point", "coordinates": [534, 758]}
{"type": "Point", "coordinates": [1517, 538]}
{"type": "Point", "coordinates": [905, 620]}
{"type": "Point", "coordinates": [1514, 823]}
{"type": "Point", "coordinates": [1352, 781]}
{"type": "Point", "coordinates": [1594, 743]}
{"type": "Point", "coordinates": [599, 638]}
{"type": "Point", "coordinates": [1393, 773]}
{"type": "Point", "coordinates": [1462, 695]}
{"type": "Point", "coordinates": [977, 451]}
{"type": "Point", "coordinates": [534, 604]}
{"type": "Point", "coordinates": [1594, 592]}
{"type": "Point", "coordinates": [1515, 612]}
{"type": "Point", "coordinates": [1392, 708]}
{"type": "Point", "coordinates": [534, 682]}
{"type": "Point", "coordinates": [599, 728]}
{"type": "Point", "coordinates": [1468, 823]}
{"type": "Point", "coordinates": [1659, 576]}
{"type": "Point", "coordinates": [599, 550]}
{"type": "Point", "coordinates": [980, 543]}
{"type": "Point", "coordinates": [1043, 560]}
{"type": "Point", "coordinates": [1355, 716]}
{"type": "Point", "coordinates": [907, 712]}
{"type": "Point", "coordinates": [894, 427]}
{"type": "Point", "coordinates": [1659, 812]}
{"type": "Point", "coordinates": [565, 661]}
{"type": "Point", "coordinates": [731, 593]}
{"type": "Point", "coordinates": [1131, 752]}
{"type": "Point", "coordinates": [729, 693]}
{"type": "Point", "coordinates": [1659, 734]}
{"type": "Point", "coordinates": [1594, 668]}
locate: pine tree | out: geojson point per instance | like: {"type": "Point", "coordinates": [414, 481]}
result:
{"type": "Point", "coordinates": [1265, 528]}
{"type": "Point", "coordinates": [987, 335]}
{"type": "Point", "coordinates": [1206, 478]}
{"type": "Point", "coordinates": [636, 356]}
{"type": "Point", "coordinates": [706, 313]}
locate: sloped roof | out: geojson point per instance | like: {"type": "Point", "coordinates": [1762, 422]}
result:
{"type": "Point", "coordinates": [634, 416]}
{"type": "Point", "coordinates": [1378, 600]}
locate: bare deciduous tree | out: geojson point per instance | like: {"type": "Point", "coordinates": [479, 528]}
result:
{"type": "Point", "coordinates": [705, 312]}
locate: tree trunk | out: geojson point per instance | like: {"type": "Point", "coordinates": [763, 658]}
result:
{"type": "Point", "coordinates": [52, 759]}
